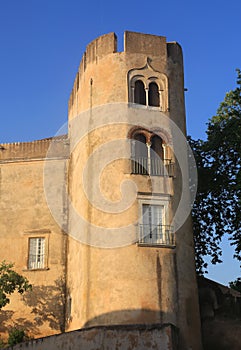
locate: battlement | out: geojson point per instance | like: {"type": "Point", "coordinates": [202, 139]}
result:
{"type": "Point", "coordinates": [102, 62]}
{"type": "Point", "coordinates": [133, 43]}
{"type": "Point", "coordinates": [25, 151]}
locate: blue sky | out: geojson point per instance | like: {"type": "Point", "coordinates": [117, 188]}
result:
{"type": "Point", "coordinates": [42, 41]}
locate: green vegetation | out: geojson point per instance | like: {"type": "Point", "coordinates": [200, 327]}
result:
{"type": "Point", "coordinates": [16, 336]}
{"type": "Point", "coordinates": [236, 285]}
{"type": "Point", "coordinates": [217, 209]}
{"type": "Point", "coordinates": [11, 281]}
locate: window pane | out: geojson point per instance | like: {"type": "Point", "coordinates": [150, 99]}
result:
{"type": "Point", "coordinates": [151, 230]}
{"type": "Point", "coordinates": [36, 253]}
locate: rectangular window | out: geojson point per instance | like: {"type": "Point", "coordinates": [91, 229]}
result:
{"type": "Point", "coordinates": [36, 256]}
{"type": "Point", "coordinates": [153, 230]}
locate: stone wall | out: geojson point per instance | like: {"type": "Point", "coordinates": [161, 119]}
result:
{"type": "Point", "coordinates": [108, 338]}
{"type": "Point", "coordinates": [221, 316]}
{"type": "Point", "coordinates": [25, 215]}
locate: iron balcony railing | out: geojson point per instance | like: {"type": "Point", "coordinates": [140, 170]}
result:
{"type": "Point", "coordinates": [156, 235]}
{"type": "Point", "coordinates": [152, 166]}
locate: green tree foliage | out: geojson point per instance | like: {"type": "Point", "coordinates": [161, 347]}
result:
{"type": "Point", "coordinates": [236, 285]}
{"type": "Point", "coordinates": [10, 281]}
{"type": "Point", "coordinates": [217, 209]}
{"type": "Point", "coordinates": [16, 336]}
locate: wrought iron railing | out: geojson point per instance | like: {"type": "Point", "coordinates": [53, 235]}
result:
{"type": "Point", "coordinates": [152, 166]}
{"type": "Point", "coordinates": [156, 235]}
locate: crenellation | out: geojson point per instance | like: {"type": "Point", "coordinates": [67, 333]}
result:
{"type": "Point", "coordinates": [34, 149]}
{"type": "Point", "coordinates": [174, 51]}
{"type": "Point", "coordinates": [144, 43]}
{"type": "Point", "coordinates": [102, 46]}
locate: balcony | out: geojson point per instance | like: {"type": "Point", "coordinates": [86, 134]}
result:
{"type": "Point", "coordinates": [152, 166]}
{"type": "Point", "coordinates": [156, 235]}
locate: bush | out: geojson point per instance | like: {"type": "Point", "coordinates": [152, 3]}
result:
{"type": "Point", "coordinates": [16, 336]}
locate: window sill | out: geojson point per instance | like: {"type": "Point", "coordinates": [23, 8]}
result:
{"type": "Point", "coordinates": [152, 108]}
{"type": "Point", "coordinates": [156, 245]}
{"type": "Point", "coordinates": [40, 269]}
{"type": "Point", "coordinates": [153, 175]}
{"type": "Point", "coordinates": [140, 106]}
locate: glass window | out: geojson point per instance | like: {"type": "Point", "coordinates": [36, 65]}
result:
{"type": "Point", "coordinates": [36, 254]}
{"type": "Point", "coordinates": [153, 230]}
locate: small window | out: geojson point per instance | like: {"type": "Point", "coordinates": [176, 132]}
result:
{"type": "Point", "coordinates": [153, 230]}
{"type": "Point", "coordinates": [140, 93]}
{"type": "Point", "coordinates": [36, 256]}
{"type": "Point", "coordinates": [153, 95]}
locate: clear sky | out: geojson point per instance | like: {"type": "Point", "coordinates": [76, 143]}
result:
{"type": "Point", "coordinates": [42, 41]}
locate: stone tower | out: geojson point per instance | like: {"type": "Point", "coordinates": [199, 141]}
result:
{"type": "Point", "coordinates": [130, 250]}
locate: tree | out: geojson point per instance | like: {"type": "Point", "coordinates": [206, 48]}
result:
{"type": "Point", "coordinates": [217, 209]}
{"type": "Point", "coordinates": [236, 285]}
{"type": "Point", "coordinates": [11, 281]}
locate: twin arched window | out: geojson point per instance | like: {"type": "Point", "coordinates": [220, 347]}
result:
{"type": "Point", "coordinates": [146, 96]}
{"type": "Point", "coordinates": [148, 155]}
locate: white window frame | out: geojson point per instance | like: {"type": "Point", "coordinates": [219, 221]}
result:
{"type": "Point", "coordinates": [36, 233]}
{"type": "Point", "coordinates": [163, 201]}
{"type": "Point", "coordinates": [36, 253]}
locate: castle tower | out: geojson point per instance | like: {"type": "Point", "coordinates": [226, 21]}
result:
{"type": "Point", "coordinates": [130, 250]}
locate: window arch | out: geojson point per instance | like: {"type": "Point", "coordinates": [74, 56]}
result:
{"type": "Point", "coordinates": [148, 87]}
{"type": "Point", "coordinates": [139, 93]}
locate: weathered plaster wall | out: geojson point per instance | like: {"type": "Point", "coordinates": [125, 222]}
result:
{"type": "Point", "coordinates": [24, 213]}
{"type": "Point", "coordinates": [112, 338]}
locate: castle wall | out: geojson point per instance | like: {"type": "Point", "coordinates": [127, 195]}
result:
{"type": "Point", "coordinates": [25, 214]}
{"type": "Point", "coordinates": [132, 338]}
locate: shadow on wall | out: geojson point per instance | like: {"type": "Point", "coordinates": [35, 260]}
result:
{"type": "Point", "coordinates": [48, 307]}
{"type": "Point", "coordinates": [129, 317]}
{"type": "Point", "coordinates": [138, 320]}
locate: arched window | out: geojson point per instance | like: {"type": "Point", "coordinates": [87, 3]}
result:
{"type": "Point", "coordinates": [140, 145]}
{"type": "Point", "coordinates": [157, 156]}
{"type": "Point", "coordinates": [139, 93]}
{"type": "Point", "coordinates": [153, 95]}
{"type": "Point", "coordinates": [148, 155]}
{"type": "Point", "coordinates": [156, 147]}
{"type": "Point", "coordinates": [139, 155]}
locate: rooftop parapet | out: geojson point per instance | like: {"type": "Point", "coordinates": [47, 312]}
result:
{"type": "Point", "coordinates": [25, 151]}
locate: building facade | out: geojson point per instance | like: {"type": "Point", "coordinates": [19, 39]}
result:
{"type": "Point", "coordinates": [98, 220]}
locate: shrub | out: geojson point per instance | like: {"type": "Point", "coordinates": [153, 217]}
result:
{"type": "Point", "coordinates": [16, 336]}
